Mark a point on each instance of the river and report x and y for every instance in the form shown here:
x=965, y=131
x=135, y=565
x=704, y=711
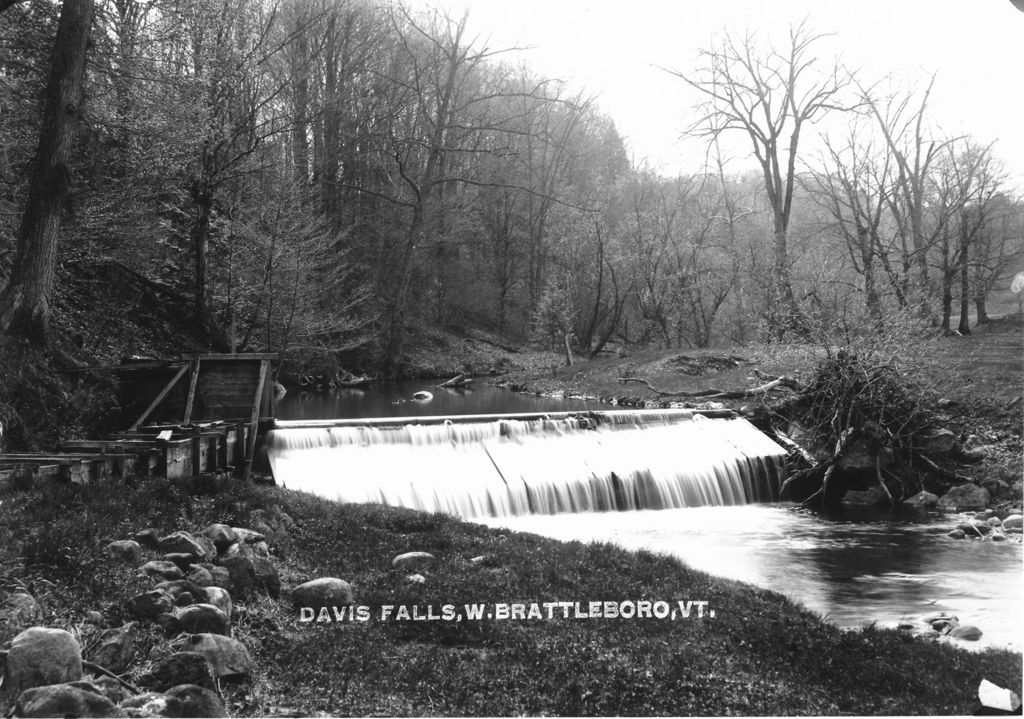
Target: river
x=853, y=568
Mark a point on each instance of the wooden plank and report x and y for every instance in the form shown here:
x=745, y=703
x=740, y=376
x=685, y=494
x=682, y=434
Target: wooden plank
x=250, y=449
x=160, y=397
x=242, y=356
x=193, y=380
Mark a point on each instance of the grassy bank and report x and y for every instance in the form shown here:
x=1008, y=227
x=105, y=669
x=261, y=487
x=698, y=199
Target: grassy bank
x=760, y=655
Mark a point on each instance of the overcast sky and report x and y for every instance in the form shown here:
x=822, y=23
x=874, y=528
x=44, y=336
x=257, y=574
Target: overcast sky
x=614, y=48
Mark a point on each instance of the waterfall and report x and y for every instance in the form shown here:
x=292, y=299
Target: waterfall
x=493, y=466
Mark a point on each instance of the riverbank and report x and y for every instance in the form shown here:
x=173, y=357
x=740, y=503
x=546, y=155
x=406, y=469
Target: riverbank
x=761, y=654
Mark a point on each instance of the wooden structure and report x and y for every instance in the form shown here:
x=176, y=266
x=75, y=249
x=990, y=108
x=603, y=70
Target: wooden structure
x=188, y=417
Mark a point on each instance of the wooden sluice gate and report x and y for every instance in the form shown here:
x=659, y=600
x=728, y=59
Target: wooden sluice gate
x=193, y=416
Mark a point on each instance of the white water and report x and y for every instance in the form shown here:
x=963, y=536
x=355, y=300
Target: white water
x=631, y=460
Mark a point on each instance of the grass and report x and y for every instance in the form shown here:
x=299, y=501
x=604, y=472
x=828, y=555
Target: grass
x=760, y=655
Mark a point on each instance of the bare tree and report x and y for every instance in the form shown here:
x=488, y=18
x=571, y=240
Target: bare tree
x=770, y=97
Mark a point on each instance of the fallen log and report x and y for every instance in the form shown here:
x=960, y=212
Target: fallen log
x=457, y=381
x=764, y=389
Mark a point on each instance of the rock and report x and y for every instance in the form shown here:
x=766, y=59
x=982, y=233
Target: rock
x=322, y=592
x=160, y=568
x=182, y=542
x=939, y=616
x=936, y=440
x=147, y=538
x=181, y=560
x=943, y=625
x=239, y=549
x=94, y=617
x=219, y=598
x=151, y=704
x=125, y=550
x=413, y=559
x=957, y=534
x=209, y=548
x=994, y=521
x=21, y=610
x=861, y=455
x=1013, y=521
x=221, y=535
x=416, y=579
x=963, y=497
x=261, y=549
x=63, y=700
x=115, y=648
x=180, y=668
x=107, y=686
x=923, y=499
x=228, y=658
x=995, y=697
x=177, y=587
x=150, y=604
x=248, y=536
x=197, y=701
x=202, y=618
x=267, y=576
x=242, y=574
x=972, y=528
x=41, y=656
x=200, y=576
x=220, y=575
x=967, y=632
x=998, y=537
x=871, y=497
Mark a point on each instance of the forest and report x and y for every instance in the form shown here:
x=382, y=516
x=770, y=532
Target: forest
x=325, y=178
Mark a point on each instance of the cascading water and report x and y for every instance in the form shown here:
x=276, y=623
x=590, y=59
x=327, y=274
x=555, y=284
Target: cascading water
x=474, y=467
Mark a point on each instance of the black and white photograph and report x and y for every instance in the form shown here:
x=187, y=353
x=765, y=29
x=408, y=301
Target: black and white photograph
x=511, y=358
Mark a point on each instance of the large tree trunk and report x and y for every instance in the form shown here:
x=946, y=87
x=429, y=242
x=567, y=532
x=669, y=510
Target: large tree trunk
x=25, y=303
x=965, y=297
x=979, y=305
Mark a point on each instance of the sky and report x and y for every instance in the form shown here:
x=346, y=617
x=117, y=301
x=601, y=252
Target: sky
x=617, y=49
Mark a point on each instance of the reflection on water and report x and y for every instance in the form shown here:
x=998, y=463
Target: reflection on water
x=394, y=399
x=854, y=568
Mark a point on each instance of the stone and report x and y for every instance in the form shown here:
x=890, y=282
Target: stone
x=413, y=559
x=41, y=656
x=125, y=550
x=181, y=560
x=322, y=592
x=197, y=701
x=228, y=658
x=94, y=617
x=209, y=548
x=923, y=499
x=261, y=549
x=184, y=599
x=62, y=700
x=183, y=542
x=150, y=605
x=202, y=618
x=871, y=497
x=179, y=668
x=147, y=538
x=177, y=587
x=220, y=575
x=967, y=632
x=936, y=440
x=1013, y=521
x=239, y=549
x=160, y=568
x=998, y=537
x=222, y=536
x=995, y=521
x=220, y=598
x=971, y=527
x=267, y=576
x=21, y=610
x=248, y=536
x=151, y=704
x=115, y=648
x=957, y=534
x=963, y=497
x=200, y=576
x=242, y=574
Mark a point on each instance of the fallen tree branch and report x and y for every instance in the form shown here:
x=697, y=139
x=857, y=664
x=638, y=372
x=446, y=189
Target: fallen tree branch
x=717, y=393
x=457, y=381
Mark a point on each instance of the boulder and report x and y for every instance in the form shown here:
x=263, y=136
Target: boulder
x=197, y=701
x=973, y=528
x=150, y=605
x=221, y=535
x=936, y=440
x=239, y=549
x=125, y=550
x=160, y=568
x=220, y=576
x=248, y=536
x=267, y=576
x=183, y=542
x=179, y=668
x=21, y=610
x=923, y=499
x=151, y=704
x=957, y=534
x=871, y=497
x=220, y=598
x=967, y=632
x=40, y=656
x=63, y=700
x=963, y=497
x=1013, y=521
x=115, y=648
x=261, y=549
x=177, y=587
x=181, y=560
x=414, y=559
x=202, y=618
x=997, y=537
x=322, y=592
x=416, y=579
x=209, y=548
x=147, y=538
x=228, y=658
x=994, y=521
x=107, y=686
x=242, y=575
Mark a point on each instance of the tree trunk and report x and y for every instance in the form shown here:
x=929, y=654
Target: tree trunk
x=25, y=303
x=200, y=249
x=979, y=305
x=964, y=327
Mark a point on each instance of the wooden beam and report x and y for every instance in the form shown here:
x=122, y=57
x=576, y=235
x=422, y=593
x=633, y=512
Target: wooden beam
x=193, y=380
x=160, y=397
x=254, y=420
